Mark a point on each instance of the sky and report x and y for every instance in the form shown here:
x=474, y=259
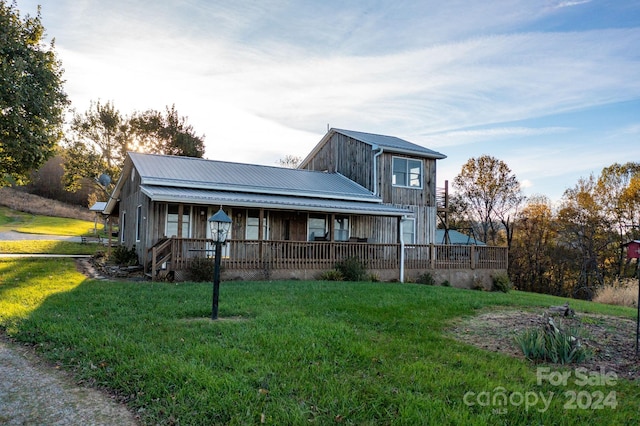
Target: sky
x=550, y=87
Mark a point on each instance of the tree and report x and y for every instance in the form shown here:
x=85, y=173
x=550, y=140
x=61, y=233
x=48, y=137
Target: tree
x=584, y=227
x=489, y=194
x=530, y=263
x=104, y=129
x=618, y=191
x=167, y=134
x=290, y=161
x=32, y=100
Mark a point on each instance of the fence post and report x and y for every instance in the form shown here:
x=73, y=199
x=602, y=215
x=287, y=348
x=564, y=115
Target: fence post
x=472, y=254
x=432, y=256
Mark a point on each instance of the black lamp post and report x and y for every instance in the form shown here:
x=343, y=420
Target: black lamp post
x=220, y=225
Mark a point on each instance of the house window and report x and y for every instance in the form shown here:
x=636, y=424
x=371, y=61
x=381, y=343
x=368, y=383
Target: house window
x=173, y=219
x=409, y=231
x=253, y=225
x=138, y=223
x=341, y=228
x=122, y=226
x=317, y=227
x=407, y=172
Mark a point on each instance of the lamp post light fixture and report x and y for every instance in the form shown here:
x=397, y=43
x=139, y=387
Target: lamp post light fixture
x=220, y=225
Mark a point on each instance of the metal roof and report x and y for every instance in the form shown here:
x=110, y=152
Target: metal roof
x=391, y=144
x=197, y=173
x=457, y=238
x=285, y=202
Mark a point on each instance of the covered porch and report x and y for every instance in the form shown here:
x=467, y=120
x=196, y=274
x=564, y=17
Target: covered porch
x=251, y=259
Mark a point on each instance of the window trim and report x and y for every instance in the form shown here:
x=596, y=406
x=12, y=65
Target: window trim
x=265, y=225
x=316, y=216
x=407, y=172
x=123, y=225
x=415, y=230
x=138, y=222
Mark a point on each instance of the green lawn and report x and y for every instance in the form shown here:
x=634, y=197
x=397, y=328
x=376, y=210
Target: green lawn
x=46, y=225
x=289, y=352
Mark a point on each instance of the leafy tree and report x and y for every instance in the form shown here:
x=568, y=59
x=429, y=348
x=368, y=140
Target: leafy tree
x=585, y=228
x=167, y=134
x=104, y=130
x=618, y=191
x=530, y=263
x=489, y=194
x=32, y=100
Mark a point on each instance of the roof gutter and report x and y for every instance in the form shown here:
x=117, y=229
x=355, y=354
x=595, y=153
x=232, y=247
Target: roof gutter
x=375, y=168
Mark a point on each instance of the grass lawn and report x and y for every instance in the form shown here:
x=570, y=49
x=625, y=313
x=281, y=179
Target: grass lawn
x=47, y=225
x=291, y=352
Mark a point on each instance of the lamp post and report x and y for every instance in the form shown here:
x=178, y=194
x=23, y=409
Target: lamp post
x=220, y=225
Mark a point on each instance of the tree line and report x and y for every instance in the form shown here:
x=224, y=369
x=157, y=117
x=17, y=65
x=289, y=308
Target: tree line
x=33, y=105
x=567, y=249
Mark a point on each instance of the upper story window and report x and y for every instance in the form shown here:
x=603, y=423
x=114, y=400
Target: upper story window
x=407, y=172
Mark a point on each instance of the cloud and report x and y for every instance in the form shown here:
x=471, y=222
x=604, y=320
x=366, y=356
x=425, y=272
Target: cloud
x=564, y=4
x=460, y=137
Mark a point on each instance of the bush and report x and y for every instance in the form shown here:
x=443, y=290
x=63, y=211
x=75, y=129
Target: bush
x=446, y=283
x=623, y=293
x=200, y=269
x=124, y=256
x=332, y=275
x=550, y=343
x=425, y=278
x=352, y=269
x=501, y=282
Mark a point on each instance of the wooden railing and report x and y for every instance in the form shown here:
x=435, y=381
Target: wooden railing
x=323, y=255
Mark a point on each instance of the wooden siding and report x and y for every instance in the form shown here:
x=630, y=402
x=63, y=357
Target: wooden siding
x=424, y=196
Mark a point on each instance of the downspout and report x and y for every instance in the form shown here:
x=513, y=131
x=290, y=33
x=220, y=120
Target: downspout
x=375, y=168
x=402, y=249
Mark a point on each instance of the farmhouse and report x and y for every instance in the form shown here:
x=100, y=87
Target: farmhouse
x=355, y=195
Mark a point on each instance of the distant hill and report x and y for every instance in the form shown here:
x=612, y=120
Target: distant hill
x=34, y=204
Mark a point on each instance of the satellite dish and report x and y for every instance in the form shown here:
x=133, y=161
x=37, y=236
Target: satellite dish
x=104, y=179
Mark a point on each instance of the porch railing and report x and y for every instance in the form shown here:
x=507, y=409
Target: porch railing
x=323, y=255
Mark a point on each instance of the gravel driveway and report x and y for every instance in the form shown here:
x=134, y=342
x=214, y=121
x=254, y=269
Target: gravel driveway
x=34, y=393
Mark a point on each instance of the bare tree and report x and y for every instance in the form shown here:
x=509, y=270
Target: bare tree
x=290, y=161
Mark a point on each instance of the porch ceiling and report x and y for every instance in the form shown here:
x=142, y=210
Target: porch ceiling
x=281, y=202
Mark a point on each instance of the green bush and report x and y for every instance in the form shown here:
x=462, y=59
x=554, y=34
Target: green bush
x=446, y=283
x=200, y=269
x=124, y=256
x=426, y=278
x=550, y=343
x=332, y=275
x=501, y=282
x=352, y=269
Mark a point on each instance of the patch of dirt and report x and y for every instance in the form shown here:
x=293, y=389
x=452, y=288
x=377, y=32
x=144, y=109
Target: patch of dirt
x=33, y=392
x=612, y=340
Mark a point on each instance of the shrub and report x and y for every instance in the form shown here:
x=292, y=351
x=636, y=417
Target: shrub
x=425, y=278
x=501, y=282
x=124, y=256
x=331, y=275
x=352, y=269
x=446, y=283
x=623, y=293
x=373, y=277
x=550, y=343
x=200, y=269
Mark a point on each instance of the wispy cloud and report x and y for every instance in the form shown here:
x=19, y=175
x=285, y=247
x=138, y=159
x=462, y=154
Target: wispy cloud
x=563, y=4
